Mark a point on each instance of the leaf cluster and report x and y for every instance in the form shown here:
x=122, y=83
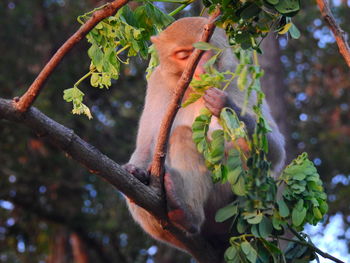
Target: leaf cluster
x=303, y=192
x=246, y=22
x=256, y=213
x=127, y=31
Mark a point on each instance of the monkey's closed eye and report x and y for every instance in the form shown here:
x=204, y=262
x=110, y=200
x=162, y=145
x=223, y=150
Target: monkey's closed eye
x=183, y=54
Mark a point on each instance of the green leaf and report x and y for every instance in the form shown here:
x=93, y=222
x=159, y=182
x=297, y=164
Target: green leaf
x=96, y=56
x=294, y=32
x=323, y=207
x=217, y=173
x=233, y=160
x=73, y=94
x=272, y=2
x=298, y=216
x=95, y=79
x=288, y=6
x=241, y=225
x=205, y=46
x=198, y=136
x=249, y=251
x=317, y=213
x=283, y=208
x=255, y=219
x=231, y=253
x=217, y=146
x=211, y=61
x=276, y=222
x=233, y=175
x=300, y=204
x=265, y=227
x=250, y=11
x=226, y=212
x=299, y=176
x=229, y=119
x=191, y=99
x=239, y=187
x=246, y=247
x=255, y=230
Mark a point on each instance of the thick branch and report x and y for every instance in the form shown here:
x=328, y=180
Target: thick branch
x=28, y=98
x=339, y=34
x=181, y=86
x=98, y=163
x=86, y=154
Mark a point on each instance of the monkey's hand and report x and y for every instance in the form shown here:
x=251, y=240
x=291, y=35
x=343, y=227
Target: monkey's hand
x=141, y=174
x=215, y=100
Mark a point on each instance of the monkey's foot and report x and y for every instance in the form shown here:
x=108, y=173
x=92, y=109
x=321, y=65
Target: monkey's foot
x=139, y=173
x=179, y=213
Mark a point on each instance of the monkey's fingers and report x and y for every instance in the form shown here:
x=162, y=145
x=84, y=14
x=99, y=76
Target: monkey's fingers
x=214, y=92
x=209, y=98
x=214, y=110
x=139, y=173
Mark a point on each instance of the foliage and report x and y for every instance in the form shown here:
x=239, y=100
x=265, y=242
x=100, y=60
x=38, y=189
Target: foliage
x=256, y=214
x=247, y=20
x=126, y=31
x=244, y=23
x=303, y=192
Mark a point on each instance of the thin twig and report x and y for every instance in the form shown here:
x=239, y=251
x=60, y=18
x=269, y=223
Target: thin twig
x=31, y=94
x=304, y=243
x=181, y=86
x=339, y=34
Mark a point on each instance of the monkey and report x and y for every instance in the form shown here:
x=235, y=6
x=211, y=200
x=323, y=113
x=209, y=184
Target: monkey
x=192, y=197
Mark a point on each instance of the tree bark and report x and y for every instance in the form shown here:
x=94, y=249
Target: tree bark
x=80, y=254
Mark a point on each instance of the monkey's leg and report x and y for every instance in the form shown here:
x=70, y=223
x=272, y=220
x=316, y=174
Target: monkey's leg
x=187, y=182
x=179, y=212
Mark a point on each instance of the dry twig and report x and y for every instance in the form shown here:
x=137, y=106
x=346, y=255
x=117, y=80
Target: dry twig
x=31, y=94
x=339, y=34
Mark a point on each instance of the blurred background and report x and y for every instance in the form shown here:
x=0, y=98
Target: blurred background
x=53, y=210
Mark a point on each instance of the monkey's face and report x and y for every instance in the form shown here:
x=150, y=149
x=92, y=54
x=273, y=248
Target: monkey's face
x=175, y=57
x=175, y=44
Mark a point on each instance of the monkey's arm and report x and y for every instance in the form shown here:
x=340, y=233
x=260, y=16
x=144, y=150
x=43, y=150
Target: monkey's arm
x=141, y=157
x=216, y=100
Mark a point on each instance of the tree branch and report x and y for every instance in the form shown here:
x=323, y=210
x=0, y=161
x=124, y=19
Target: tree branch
x=316, y=249
x=98, y=163
x=339, y=34
x=181, y=86
x=31, y=94
x=86, y=154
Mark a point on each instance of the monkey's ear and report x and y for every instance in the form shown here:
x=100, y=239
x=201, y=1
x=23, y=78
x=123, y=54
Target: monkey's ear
x=155, y=39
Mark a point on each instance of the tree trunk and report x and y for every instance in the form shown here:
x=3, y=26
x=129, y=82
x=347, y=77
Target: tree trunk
x=59, y=247
x=275, y=88
x=80, y=254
